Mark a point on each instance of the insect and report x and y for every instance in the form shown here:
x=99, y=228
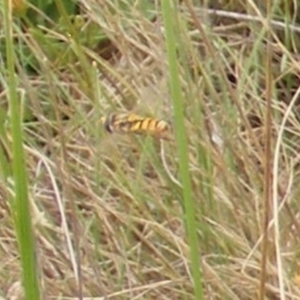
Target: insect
x=132, y=123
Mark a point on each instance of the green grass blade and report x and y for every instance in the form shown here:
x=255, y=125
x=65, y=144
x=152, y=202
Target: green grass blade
x=19, y=200
x=181, y=142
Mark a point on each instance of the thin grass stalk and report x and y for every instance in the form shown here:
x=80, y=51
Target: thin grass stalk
x=19, y=200
x=267, y=160
x=169, y=15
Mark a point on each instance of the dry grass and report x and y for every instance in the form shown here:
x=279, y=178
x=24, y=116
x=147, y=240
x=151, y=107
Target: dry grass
x=107, y=209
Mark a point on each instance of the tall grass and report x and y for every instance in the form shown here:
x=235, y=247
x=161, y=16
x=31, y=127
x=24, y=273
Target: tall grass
x=171, y=23
x=17, y=186
x=131, y=217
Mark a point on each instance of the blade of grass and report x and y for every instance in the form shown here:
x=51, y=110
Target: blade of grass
x=19, y=201
x=268, y=161
x=168, y=12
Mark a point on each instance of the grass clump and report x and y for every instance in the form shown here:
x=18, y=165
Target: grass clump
x=125, y=216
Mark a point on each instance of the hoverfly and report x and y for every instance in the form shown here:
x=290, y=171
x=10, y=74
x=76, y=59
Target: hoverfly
x=132, y=123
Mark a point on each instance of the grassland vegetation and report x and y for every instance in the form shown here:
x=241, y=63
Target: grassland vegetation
x=127, y=216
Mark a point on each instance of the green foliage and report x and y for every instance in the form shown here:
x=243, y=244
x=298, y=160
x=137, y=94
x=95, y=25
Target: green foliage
x=49, y=11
